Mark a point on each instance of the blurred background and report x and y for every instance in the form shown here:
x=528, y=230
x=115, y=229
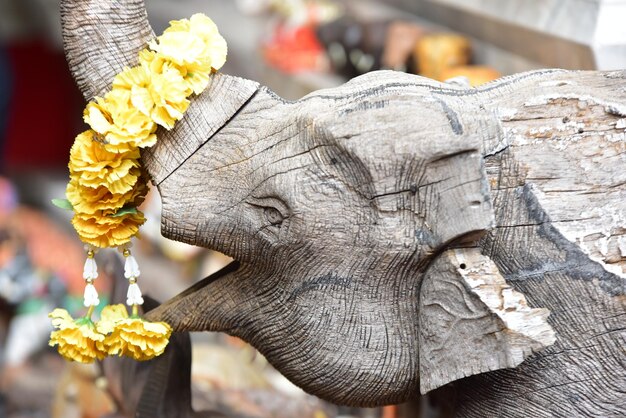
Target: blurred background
x=293, y=47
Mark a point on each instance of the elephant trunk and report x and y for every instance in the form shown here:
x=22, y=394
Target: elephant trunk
x=206, y=306
x=101, y=38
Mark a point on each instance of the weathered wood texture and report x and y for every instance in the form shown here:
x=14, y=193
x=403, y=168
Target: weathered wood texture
x=100, y=38
x=472, y=321
x=559, y=189
x=540, y=197
x=349, y=209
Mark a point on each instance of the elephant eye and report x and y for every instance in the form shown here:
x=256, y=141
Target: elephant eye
x=273, y=215
x=275, y=211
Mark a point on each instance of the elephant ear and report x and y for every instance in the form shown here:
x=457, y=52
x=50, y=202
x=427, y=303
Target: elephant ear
x=472, y=322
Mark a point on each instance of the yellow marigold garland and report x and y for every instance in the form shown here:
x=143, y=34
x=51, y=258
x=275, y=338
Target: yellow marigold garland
x=107, y=183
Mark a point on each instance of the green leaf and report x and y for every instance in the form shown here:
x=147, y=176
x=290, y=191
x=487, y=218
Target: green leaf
x=124, y=211
x=84, y=321
x=63, y=204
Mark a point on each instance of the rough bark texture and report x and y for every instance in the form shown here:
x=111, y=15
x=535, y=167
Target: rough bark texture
x=350, y=208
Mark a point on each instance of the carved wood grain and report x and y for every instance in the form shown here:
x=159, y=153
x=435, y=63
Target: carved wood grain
x=374, y=182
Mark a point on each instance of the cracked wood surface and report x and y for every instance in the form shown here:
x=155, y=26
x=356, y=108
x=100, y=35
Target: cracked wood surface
x=345, y=207
x=471, y=321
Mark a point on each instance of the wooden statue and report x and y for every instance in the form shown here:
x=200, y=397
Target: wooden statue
x=397, y=235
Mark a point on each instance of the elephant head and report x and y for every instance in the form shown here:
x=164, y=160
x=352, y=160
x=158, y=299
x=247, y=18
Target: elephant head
x=335, y=208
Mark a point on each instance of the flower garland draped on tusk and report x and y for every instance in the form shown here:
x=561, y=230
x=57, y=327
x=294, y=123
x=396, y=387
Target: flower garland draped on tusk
x=107, y=183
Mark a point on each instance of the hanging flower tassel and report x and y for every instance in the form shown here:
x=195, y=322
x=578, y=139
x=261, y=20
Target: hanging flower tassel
x=91, y=296
x=132, y=272
x=132, y=336
x=90, y=273
x=76, y=339
x=133, y=296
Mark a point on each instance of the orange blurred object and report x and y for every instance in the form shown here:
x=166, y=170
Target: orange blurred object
x=476, y=74
x=399, y=43
x=390, y=411
x=436, y=52
x=81, y=392
x=293, y=50
x=52, y=249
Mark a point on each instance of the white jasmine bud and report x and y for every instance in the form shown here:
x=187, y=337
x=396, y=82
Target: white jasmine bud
x=91, y=296
x=90, y=271
x=131, y=268
x=133, y=296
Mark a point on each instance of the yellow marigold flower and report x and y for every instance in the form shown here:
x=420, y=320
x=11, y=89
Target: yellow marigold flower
x=170, y=95
x=77, y=340
x=102, y=230
x=89, y=200
x=155, y=63
x=98, y=167
x=136, y=81
x=132, y=336
x=195, y=71
x=203, y=27
x=122, y=126
x=195, y=47
x=181, y=48
x=157, y=89
x=109, y=317
x=197, y=76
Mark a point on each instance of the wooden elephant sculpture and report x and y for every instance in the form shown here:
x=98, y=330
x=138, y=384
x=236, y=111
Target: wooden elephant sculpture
x=396, y=234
